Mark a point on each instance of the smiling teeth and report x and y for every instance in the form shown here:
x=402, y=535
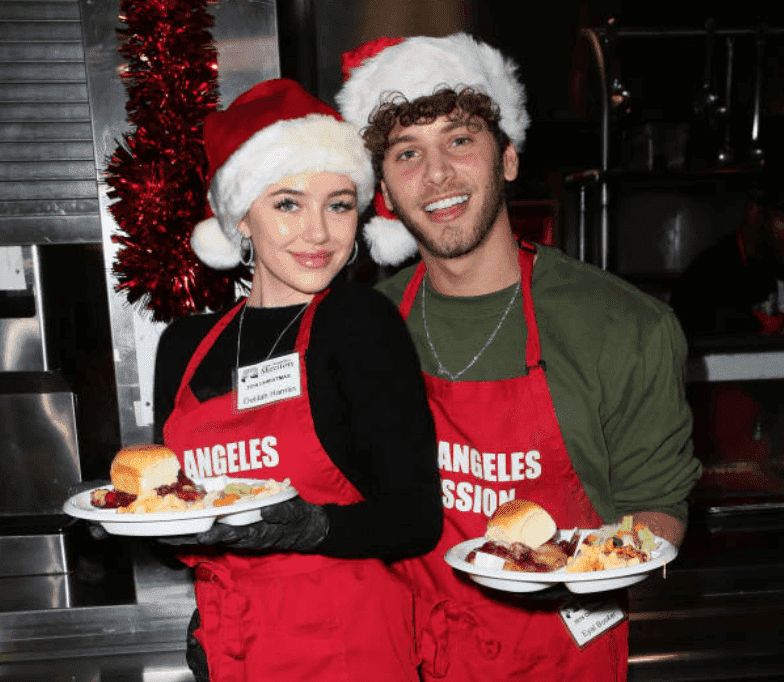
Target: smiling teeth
x=447, y=203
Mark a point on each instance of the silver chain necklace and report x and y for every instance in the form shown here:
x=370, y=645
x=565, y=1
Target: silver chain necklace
x=280, y=336
x=443, y=370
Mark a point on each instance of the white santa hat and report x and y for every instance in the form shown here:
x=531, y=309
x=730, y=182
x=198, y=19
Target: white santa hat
x=383, y=69
x=273, y=131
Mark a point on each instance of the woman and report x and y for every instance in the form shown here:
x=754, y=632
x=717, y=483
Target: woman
x=305, y=593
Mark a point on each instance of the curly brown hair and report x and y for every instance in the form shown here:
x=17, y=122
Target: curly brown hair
x=466, y=104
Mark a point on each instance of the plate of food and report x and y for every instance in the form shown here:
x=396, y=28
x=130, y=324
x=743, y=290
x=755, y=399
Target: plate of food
x=523, y=551
x=150, y=496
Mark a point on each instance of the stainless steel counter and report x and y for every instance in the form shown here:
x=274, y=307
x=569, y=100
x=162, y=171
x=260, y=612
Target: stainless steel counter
x=94, y=631
x=145, y=667
x=717, y=615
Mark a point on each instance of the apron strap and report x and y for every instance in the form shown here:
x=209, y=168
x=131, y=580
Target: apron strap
x=303, y=336
x=204, y=346
x=533, y=347
x=526, y=255
x=409, y=296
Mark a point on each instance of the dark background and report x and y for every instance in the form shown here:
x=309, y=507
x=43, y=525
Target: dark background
x=662, y=73
x=656, y=227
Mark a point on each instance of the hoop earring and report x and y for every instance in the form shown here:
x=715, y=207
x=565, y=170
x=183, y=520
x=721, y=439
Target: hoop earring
x=247, y=252
x=354, y=253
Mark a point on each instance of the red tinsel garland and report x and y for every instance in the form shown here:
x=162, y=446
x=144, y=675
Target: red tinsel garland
x=156, y=174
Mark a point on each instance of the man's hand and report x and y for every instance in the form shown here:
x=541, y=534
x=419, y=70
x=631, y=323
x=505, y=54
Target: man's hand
x=663, y=525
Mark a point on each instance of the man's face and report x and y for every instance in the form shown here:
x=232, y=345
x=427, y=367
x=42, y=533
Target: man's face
x=444, y=180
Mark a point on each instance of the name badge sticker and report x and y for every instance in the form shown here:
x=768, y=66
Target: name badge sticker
x=588, y=619
x=268, y=382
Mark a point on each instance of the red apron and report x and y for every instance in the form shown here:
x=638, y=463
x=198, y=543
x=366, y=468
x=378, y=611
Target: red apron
x=500, y=440
x=287, y=616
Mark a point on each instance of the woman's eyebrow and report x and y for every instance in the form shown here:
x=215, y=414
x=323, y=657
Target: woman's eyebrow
x=339, y=192
x=297, y=192
x=287, y=190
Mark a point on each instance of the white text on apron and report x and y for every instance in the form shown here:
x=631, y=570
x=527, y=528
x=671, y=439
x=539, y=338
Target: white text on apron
x=231, y=458
x=494, y=467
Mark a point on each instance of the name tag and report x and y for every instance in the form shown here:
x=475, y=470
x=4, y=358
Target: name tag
x=268, y=382
x=590, y=617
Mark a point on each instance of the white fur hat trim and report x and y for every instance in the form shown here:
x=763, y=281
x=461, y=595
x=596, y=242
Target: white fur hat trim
x=420, y=66
x=312, y=144
x=212, y=247
x=389, y=241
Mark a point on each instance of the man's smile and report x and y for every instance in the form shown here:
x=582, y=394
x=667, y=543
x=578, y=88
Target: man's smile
x=447, y=202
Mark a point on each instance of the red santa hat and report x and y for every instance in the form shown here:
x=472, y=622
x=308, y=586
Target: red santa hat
x=273, y=131
x=383, y=69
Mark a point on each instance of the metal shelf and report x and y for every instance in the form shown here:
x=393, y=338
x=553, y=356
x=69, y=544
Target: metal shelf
x=737, y=366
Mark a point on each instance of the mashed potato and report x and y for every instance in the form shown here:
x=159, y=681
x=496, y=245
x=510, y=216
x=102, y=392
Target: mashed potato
x=227, y=494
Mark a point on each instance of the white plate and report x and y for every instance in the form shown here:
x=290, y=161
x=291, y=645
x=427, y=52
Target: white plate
x=159, y=524
x=593, y=581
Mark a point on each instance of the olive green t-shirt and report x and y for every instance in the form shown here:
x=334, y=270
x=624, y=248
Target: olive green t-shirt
x=614, y=363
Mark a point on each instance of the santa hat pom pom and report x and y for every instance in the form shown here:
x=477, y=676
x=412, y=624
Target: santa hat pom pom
x=212, y=247
x=389, y=241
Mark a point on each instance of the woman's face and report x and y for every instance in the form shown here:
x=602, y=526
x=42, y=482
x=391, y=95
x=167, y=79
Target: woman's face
x=303, y=231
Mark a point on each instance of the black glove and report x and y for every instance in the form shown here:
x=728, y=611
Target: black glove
x=194, y=653
x=293, y=525
x=96, y=530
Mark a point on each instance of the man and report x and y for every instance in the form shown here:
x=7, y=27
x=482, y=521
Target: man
x=737, y=285
x=500, y=329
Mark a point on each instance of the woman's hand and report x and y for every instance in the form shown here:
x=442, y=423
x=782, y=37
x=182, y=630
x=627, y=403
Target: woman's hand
x=96, y=530
x=293, y=525
x=194, y=653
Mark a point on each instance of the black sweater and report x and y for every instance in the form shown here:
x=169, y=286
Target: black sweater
x=369, y=409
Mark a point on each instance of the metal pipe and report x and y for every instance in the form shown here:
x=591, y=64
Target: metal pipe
x=680, y=32
x=40, y=307
x=756, y=152
x=604, y=218
x=604, y=228
x=726, y=155
x=296, y=27
x=705, y=101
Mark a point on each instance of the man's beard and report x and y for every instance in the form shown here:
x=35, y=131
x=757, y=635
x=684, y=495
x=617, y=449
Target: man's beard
x=465, y=243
